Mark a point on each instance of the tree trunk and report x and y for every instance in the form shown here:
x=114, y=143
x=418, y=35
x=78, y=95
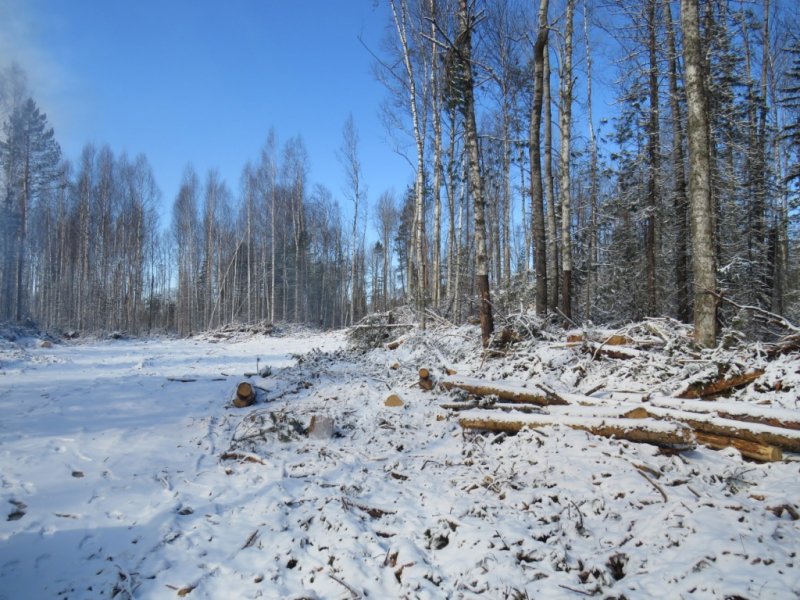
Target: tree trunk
x=653, y=150
x=464, y=52
x=703, y=255
x=537, y=207
x=549, y=193
x=565, y=118
x=679, y=174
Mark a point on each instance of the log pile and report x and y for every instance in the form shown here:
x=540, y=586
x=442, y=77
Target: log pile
x=758, y=432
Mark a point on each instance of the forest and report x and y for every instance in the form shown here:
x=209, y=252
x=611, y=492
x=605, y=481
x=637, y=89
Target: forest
x=596, y=161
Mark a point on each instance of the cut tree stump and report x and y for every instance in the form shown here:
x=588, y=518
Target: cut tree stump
x=394, y=401
x=704, y=389
x=650, y=431
x=753, y=450
x=245, y=395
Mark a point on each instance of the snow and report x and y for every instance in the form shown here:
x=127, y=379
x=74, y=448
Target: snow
x=114, y=484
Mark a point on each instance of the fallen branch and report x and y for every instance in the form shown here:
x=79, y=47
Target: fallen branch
x=654, y=484
x=241, y=457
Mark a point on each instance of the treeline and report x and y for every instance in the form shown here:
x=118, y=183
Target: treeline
x=518, y=184
x=586, y=217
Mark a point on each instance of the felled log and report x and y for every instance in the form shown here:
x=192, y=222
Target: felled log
x=245, y=395
x=754, y=450
x=662, y=433
x=617, y=352
x=787, y=439
x=737, y=411
x=480, y=387
x=395, y=344
x=790, y=343
x=703, y=389
x=607, y=340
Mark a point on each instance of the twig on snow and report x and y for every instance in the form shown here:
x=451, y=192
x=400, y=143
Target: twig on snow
x=354, y=593
x=654, y=484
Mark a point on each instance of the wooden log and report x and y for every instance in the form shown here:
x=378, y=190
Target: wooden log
x=395, y=344
x=641, y=430
x=607, y=340
x=615, y=352
x=425, y=379
x=245, y=395
x=737, y=411
x=480, y=387
x=786, y=439
x=749, y=449
x=703, y=389
x=394, y=401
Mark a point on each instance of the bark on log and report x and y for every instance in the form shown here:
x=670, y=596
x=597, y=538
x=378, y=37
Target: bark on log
x=606, y=340
x=479, y=387
x=648, y=431
x=737, y=411
x=753, y=450
x=787, y=439
x=245, y=395
x=395, y=344
x=705, y=388
x=616, y=352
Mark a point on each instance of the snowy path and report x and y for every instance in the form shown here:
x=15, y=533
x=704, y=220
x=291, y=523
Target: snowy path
x=113, y=486
x=101, y=457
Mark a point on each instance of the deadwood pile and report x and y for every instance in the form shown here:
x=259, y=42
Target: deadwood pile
x=701, y=409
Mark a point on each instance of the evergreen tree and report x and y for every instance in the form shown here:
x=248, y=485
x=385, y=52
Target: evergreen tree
x=29, y=158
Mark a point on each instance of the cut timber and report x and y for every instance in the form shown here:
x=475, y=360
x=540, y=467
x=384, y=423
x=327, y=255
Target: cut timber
x=480, y=387
x=395, y=344
x=650, y=431
x=621, y=411
x=607, y=340
x=704, y=389
x=754, y=450
x=425, y=379
x=616, y=352
x=738, y=411
x=245, y=395
x=787, y=439
x=394, y=401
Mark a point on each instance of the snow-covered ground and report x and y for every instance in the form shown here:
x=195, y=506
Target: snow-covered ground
x=119, y=481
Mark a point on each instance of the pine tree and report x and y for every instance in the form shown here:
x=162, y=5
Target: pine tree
x=29, y=157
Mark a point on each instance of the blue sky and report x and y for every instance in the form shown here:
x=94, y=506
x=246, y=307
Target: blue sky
x=202, y=82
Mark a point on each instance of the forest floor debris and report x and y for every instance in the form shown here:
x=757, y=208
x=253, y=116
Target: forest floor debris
x=192, y=497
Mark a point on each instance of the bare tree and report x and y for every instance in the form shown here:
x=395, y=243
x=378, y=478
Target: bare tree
x=348, y=156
